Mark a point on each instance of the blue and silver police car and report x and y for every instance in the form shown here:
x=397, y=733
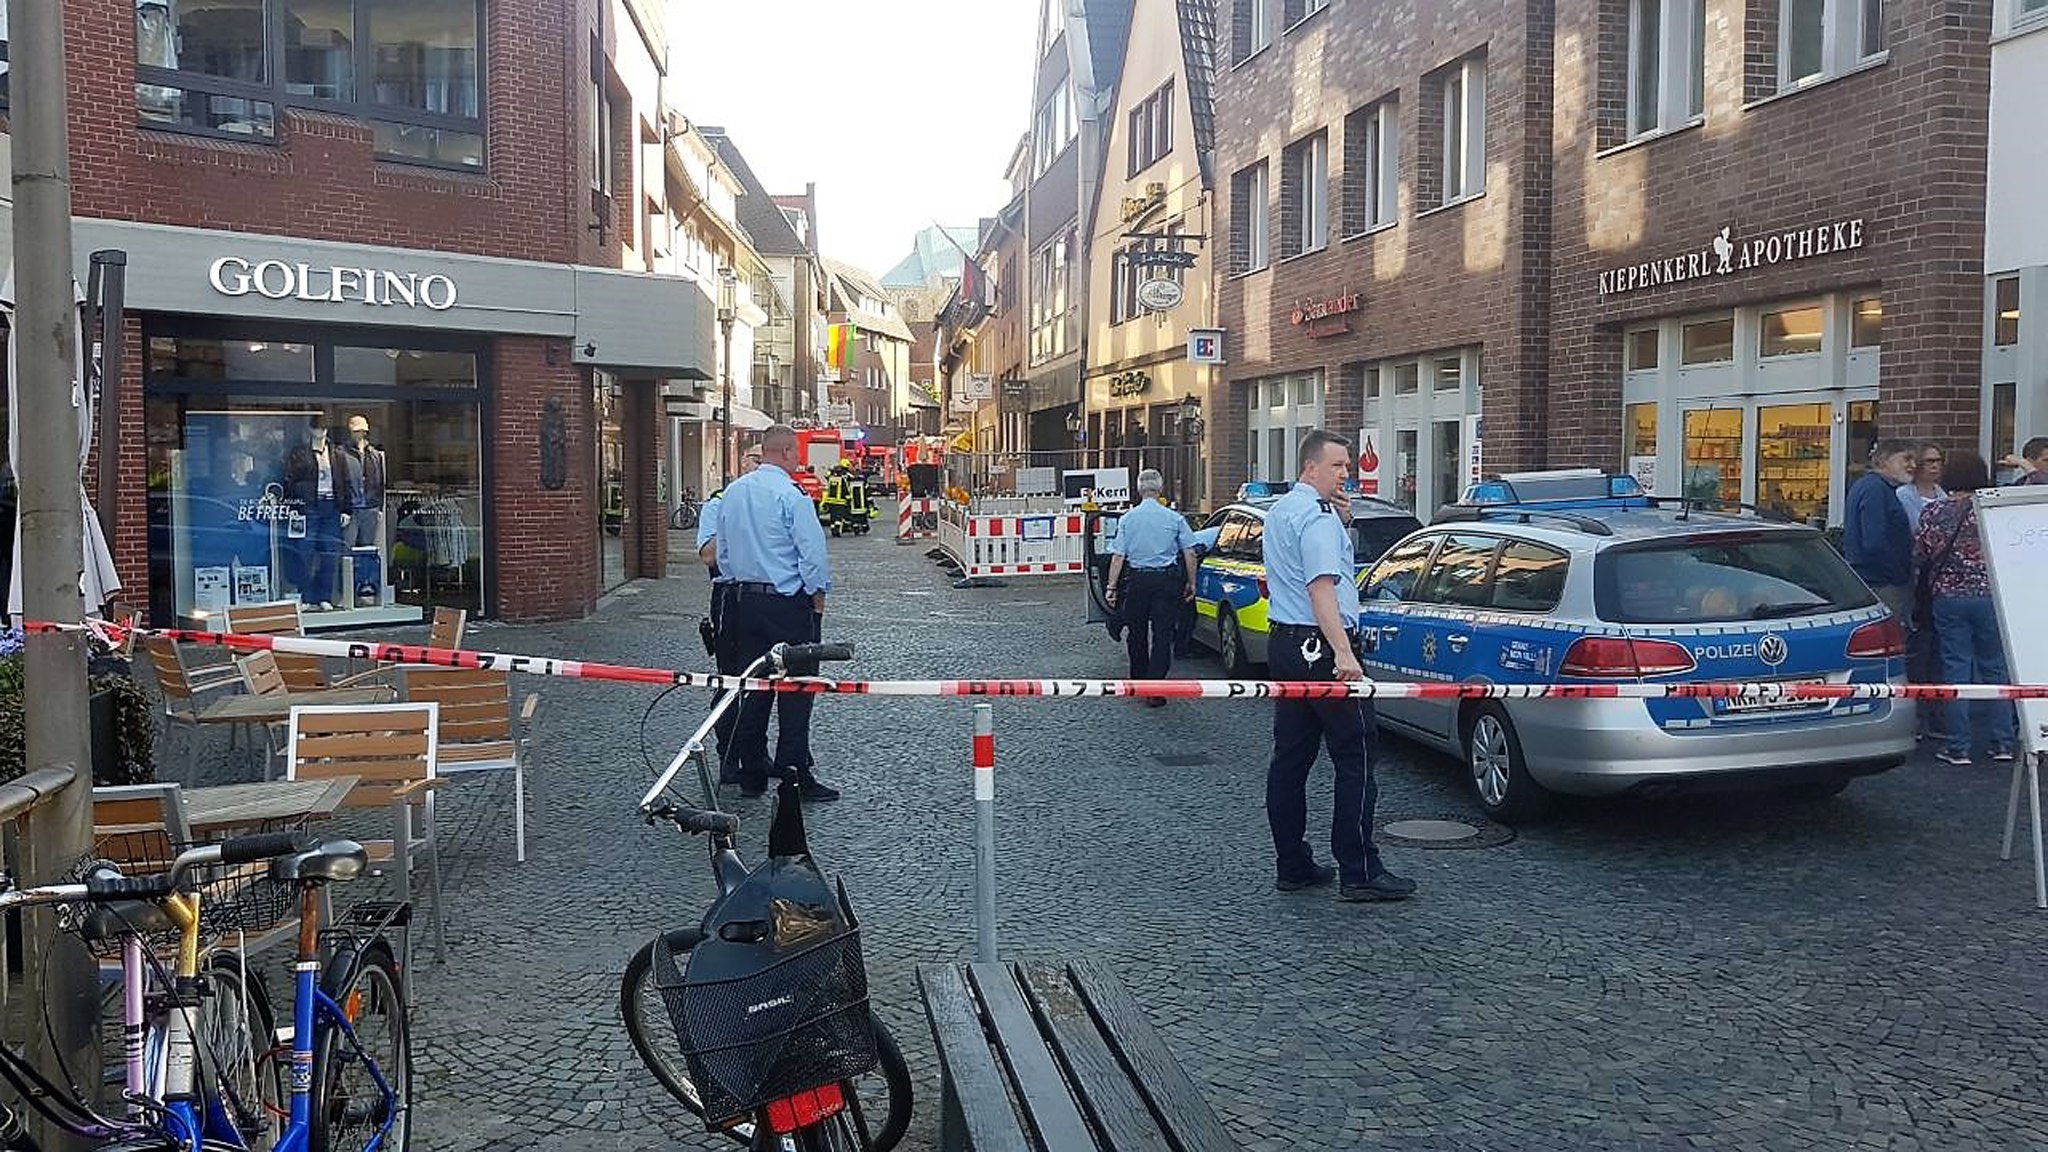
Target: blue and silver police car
x=1577, y=577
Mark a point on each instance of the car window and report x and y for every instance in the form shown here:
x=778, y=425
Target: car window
x=1725, y=577
x=1529, y=577
x=1394, y=577
x=1371, y=536
x=1242, y=538
x=1462, y=572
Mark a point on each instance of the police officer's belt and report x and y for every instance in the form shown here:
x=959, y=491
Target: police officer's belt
x=758, y=588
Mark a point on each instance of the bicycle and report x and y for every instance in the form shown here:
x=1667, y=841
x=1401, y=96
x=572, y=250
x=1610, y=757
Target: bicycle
x=687, y=512
x=830, y=1117
x=200, y=1063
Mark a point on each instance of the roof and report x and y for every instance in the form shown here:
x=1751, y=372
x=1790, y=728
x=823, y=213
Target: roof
x=934, y=256
x=1198, y=45
x=844, y=277
x=758, y=213
x=1558, y=524
x=1108, y=25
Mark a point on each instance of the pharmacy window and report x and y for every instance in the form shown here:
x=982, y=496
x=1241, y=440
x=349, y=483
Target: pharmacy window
x=1822, y=38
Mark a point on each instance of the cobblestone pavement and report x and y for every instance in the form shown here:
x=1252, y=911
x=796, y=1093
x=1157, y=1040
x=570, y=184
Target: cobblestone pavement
x=1742, y=973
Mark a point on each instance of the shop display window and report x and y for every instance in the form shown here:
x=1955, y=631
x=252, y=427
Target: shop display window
x=1713, y=455
x=1862, y=437
x=1794, y=461
x=1642, y=349
x=1406, y=453
x=1708, y=342
x=1866, y=323
x=1792, y=332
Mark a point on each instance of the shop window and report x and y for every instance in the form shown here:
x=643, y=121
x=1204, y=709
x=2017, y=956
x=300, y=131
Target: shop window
x=1371, y=164
x=1406, y=451
x=1640, y=432
x=1822, y=38
x=1866, y=323
x=2005, y=312
x=1449, y=471
x=1641, y=349
x=405, y=367
x=1305, y=195
x=1666, y=64
x=1713, y=455
x=1250, y=222
x=2004, y=419
x=1307, y=392
x=1407, y=379
x=1450, y=374
x=206, y=112
x=1371, y=378
x=1707, y=342
x=1794, y=465
x=1862, y=437
x=1792, y=332
x=207, y=358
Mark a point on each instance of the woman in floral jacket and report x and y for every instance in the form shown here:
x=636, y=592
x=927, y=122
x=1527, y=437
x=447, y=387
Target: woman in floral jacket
x=1948, y=558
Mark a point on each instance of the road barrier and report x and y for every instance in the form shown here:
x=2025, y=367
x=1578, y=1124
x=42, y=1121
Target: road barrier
x=1040, y=544
x=917, y=518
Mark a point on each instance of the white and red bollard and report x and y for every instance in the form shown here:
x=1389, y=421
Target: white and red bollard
x=984, y=835
x=916, y=519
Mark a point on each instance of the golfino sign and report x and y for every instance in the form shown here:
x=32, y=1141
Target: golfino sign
x=1727, y=254
x=278, y=280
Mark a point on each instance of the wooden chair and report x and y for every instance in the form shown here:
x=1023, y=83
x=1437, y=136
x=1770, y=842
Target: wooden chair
x=478, y=731
x=139, y=826
x=447, y=628
x=281, y=618
x=262, y=677
x=393, y=752
x=183, y=688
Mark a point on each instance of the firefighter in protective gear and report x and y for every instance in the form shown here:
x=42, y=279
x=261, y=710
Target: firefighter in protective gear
x=859, y=509
x=835, y=507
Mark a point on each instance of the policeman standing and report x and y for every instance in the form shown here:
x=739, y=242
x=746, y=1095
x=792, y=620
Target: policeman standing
x=1158, y=547
x=1312, y=577
x=771, y=554
x=718, y=638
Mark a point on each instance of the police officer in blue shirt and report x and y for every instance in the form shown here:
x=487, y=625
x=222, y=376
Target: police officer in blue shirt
x=1158, y=548
x=1312, y=579
x=717, y=638
x=771, y=556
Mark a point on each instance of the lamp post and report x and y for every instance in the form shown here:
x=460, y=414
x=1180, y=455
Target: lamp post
x=1191, y=424
x=728, y=292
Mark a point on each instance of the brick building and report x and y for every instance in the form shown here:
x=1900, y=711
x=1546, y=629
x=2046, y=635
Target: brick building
x=376, y=212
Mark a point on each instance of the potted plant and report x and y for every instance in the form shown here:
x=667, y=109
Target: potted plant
x=122, y=717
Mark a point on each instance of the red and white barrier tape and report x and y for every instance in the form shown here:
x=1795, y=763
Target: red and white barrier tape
x=121, y=635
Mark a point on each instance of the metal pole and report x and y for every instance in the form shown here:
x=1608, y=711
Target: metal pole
x=984, y=835
x=109, y=300
x=52, y=528
x=725, y=406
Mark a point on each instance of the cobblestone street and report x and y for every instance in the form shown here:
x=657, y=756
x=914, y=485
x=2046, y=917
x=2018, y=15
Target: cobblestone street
x=1739, y=973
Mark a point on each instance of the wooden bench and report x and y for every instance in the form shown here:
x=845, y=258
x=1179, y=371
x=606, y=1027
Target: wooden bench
x=1057, y=1058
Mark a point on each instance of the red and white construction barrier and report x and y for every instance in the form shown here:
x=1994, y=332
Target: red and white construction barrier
x=1046, y=544
x=916, y=519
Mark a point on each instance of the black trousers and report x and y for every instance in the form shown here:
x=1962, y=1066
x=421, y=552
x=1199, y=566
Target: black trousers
x=1152, y=606
x=756, y=622
x=1300, y=728
x=724, y=654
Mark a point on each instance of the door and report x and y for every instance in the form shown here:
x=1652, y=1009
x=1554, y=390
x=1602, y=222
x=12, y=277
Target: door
x=1448, y=645
x=1391, y=647
x=1229, y=584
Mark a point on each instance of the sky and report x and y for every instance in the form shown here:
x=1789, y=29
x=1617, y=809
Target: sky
x=904, y=112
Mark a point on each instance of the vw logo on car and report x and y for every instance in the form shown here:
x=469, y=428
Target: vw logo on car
x=1772, y=649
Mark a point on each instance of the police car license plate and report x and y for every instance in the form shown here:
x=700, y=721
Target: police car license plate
x=1730, y=705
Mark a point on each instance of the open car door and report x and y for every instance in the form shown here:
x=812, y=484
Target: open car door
x=1097, y=530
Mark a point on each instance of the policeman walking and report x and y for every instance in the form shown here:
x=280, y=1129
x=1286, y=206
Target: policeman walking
x=717, y=639
x=771, y=554
x=1311, y=575
x=1155, y=543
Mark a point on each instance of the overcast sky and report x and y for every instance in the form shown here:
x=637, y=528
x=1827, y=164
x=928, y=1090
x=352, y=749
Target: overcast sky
x=903, y=111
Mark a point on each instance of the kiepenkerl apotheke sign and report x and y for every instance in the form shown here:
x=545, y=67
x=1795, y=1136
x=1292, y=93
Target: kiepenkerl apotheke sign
x=1727, y=254
x=378, y=287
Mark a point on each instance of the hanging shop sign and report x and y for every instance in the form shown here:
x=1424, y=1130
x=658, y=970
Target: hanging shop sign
x=1137, y=206
x=1205, y=345
x=1727, y=254
x=1326, y=317
x=1160, y=258
x=1161, y=295
x=278, y=280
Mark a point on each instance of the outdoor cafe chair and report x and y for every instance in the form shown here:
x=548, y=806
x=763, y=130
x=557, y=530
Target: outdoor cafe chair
x=478, y=730
x=184, y=689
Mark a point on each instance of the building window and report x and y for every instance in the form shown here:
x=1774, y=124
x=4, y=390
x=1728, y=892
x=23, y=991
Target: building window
x=1052, y=24
x=1461, y=155
x=413, y=71
x=1251, y=28
x=1666, y=64
x=2005, y=312
x=1712, y=455
x=2004, y=418
x=1450, y=374
x=1249, y=219
x=1639, y=433
x=2026, y=12
x=1822, y=38
x=600, y=125
x=1792, y=332
x=1052, y=296
x=1054, y=128
x=1151, y=129
x=1305, y=195
x=5, y=80
x=1642, y=349
x=1295, y=11
x=1407, y=378
x=1866, y=323
x=1707, y=342
x=1371, y=166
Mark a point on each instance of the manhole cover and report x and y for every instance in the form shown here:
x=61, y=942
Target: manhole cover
x=1429, y=832
x=1182, y=759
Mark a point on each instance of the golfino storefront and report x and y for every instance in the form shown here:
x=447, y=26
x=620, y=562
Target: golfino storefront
x=377, y=432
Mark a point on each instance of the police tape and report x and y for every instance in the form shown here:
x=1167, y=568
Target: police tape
x=122, y=636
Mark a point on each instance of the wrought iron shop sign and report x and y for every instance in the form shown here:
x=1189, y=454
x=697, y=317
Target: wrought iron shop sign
x=1727, y=254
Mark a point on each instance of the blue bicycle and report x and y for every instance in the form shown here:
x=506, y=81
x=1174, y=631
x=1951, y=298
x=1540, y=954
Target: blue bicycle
x=202, y=1068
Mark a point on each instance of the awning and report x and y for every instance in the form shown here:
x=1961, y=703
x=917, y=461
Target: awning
x=745, y=417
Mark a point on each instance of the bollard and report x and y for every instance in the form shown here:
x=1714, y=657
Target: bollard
x=984, y=835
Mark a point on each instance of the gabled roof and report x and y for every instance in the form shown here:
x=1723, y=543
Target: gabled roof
x=758, y=213
x=932, y=257
x=1198, y=44
x=851, y=283
x=1107, y=26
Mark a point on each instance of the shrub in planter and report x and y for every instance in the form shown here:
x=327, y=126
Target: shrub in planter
x=123, y=718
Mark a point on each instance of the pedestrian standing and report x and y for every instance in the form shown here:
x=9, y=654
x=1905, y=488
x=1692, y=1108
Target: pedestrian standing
x=1877, y=538
x=1925, y=486
x=717, y=638
x=771, y=553
x=2031, y=465
x=1311, y=575
x=1950, y=550
x=1156, y=547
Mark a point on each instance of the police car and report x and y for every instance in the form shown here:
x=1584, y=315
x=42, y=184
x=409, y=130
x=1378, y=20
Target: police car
x=1230, y=592
x=1579, y=578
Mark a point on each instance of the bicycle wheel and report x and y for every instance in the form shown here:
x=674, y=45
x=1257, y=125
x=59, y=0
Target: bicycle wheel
x=883, y=1095
x=235, y=1031
x=349, y=1109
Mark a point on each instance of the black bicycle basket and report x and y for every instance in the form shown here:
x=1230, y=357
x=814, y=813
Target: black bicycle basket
x=775, y=1000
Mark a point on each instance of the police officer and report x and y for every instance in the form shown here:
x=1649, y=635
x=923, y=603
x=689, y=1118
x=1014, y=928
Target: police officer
x=771, y=553
x=1158, y=547
x=718, y=637
x=1312, y=580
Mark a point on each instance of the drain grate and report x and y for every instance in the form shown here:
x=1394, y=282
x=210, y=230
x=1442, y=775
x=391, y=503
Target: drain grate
x=1182, y=759
x=1444, y=832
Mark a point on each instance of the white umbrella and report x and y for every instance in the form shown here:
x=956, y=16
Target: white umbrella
x=97, y=580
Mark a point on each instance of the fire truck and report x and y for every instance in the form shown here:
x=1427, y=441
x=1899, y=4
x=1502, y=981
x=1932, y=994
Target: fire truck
x=818, y=451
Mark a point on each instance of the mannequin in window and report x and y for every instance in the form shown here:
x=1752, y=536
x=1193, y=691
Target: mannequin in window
x=317, y=479
x=365, y=504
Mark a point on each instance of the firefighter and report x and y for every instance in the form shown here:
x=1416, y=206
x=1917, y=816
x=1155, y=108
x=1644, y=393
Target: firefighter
x=834, y=507
x=859, y=510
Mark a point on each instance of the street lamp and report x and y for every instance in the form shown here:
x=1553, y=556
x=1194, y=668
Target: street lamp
x=728, y=310
x=1190, y=418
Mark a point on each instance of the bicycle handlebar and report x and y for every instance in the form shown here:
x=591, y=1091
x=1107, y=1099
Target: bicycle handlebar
x=105, y=882
x=804, y=659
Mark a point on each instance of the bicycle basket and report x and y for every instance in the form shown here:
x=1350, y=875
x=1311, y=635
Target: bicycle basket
x=232, y=897
x=800, y=1023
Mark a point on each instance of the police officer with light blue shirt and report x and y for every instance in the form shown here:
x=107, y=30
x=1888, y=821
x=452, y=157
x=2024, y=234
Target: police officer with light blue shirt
x=1311, y=576
x=718, y=638
x=770, y=557
x=1156, y=546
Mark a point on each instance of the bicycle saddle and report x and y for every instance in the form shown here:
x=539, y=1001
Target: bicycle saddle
x=328, y=861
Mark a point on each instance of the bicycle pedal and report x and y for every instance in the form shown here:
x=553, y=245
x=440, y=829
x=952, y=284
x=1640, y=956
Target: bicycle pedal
x=371, y=913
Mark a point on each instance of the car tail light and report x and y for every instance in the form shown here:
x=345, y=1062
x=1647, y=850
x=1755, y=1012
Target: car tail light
x=1878, y=640
x=804, y=1109
x=1619, y=657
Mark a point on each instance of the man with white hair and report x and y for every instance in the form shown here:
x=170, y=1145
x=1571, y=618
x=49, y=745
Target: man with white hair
x=1154, y=543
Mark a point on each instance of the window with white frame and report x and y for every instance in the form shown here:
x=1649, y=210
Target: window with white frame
x=2028, y=11
x=1052, y=298
x=1295, y=11
x=1250, y=219
x=1052, y=20
x=1666, y=64
x=1053, y=129
x=1822, y=38
x=1251, y=27
x=1462, y=144
x=1305, y=195
x=1151, y=129
x=1371, y=166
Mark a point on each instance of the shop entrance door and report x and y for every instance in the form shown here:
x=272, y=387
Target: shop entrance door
x=1790, y=455
x=613, y=512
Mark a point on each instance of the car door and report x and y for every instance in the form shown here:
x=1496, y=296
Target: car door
x=1449, y=644
x=1098, y=532
x=1240, y=566
x=1386, y=595
x=1211, y=576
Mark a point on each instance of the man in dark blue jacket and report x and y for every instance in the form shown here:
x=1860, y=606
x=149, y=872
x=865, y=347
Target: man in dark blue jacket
x=1877, y=536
